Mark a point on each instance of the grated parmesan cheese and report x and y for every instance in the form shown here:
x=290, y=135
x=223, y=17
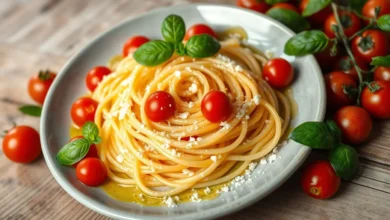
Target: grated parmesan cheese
x=184, y=115
x=177, y=73
x=188, y=172
x=191, y=104
x=207, y=190
x=225, y=125
x=213, y=158
x=120, y=158
x=256, y=99
x=195, y=197
x=193, y=88
x=169, y=202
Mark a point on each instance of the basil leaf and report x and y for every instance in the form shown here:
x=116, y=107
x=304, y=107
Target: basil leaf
x=73, y=152
x=335, y=130
x=384, y=22
x=306, y=42
x=173, y=29
x=357, y=5
x=31, y=110
x=180, y=49
x=153, y=53
x=272, y=2
x=203, y=45
x=345, y=161
x=381, y=61
x=91, y=132
x=313, y=134
x=289, y=18
x=314, y=6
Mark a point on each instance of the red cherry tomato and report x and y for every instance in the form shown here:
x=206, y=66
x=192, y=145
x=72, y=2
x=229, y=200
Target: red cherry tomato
x=133, y=43
x=83, y=110
x=355, y=124
x=350, y=22
x=216, y=106
x=91, y=171
x=369, y=8
x=345, y=65
x=188, y=138
x=286, y=6
x=334, y=83
x=160, y=106
x=256, y=5
x=199, y=29
x=318, y=18
x=39, y=85
x=325, y=59
x=92, y=152
x=278, y=72
x=370, y=44
x=21, y=144
x=319, y=180
x=377, y=103
x=382, y=73
x=95, y=76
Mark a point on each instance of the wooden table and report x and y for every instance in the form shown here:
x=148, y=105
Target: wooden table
x=40, y=34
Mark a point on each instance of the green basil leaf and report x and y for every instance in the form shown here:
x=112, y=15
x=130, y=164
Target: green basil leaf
x=31, y=110
x=173, y=29
x=73, y=151
x=314, y=6
x=313, y=134
x=357, y=5
x=203, y=45
x=153, y=53
x=381, y=61
x=345, y=161
x=335, y=131
x=306, y=42
x=272, y=2
x=289, y=18
x=180, y=49
x=91, y=132
x=384, y=22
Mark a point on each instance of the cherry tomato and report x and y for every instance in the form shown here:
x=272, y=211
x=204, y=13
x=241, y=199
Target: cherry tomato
x=188, y=138
x=21, y=144
x=382, y=73
x=319, y=180
x=83, y=110
x=286, y=6
x=95, y=76
x=160, y=106
x=369, y=8
x=278, y=72
x=377, y=103
x=370, y=44
x=350, y=22
x=334, y=83
x=345, y=65
x=355, y=124
x=256, y=5
x=318, y=18
x=91, y=171
x=133, y=43
x=216, y=106
x=199, y=29
x=39, y=85
x=92, y=152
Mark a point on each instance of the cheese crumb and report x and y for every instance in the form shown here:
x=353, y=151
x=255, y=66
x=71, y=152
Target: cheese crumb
x=193, y=88
x=207, y=190
x=177, y=73
x=263, y=161
x=256, y=99
x=169, y=202
x=195, y=197
x=191, y=104
x=238, y=68
x=184, y=115
x=176, y=198
x=120, y=158
x=225, y=125
x=213, y=158
x=188, y=172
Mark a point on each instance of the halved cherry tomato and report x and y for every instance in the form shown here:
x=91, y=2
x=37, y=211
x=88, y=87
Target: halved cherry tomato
x=335, y=83
x=355, y=124
x=199, y=29
x=319, y=180
x=39, y=85
x=278, y=72
x=350, y=22
x=286, y=6
x=160, y=106
x=256, y=5
x=382, y=73
x=91, y=171
x=345, y=65
x=370, y=44
x=216, y=106
x=133, y=43
x=83, y=110
x=92, y=152
x=318, y=18
x=21, y=144
x=369, y=8
x=95, y=76
x=377, y=103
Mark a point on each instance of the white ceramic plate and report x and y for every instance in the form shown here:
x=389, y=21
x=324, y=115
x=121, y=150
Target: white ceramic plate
x=263, y=32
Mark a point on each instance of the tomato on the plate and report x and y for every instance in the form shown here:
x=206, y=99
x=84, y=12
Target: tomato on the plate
x=325, y=59
x=133, y=43
x=355, y=124
x=319, y=180
x=91, y=171
x=92, y=152
x=377, y=103
x=369, y=8
x=382, y=73
x=286, y=6
x=95, y=76
x=335, y=83
x=21, y=144
x=256, y=5
x=188, y=138
x=318, y=18
x=83, y=110
x=350, y=22
x=160, y=106
x=278, y=72
x=199, y=29
x=369, y=44
x=345, y=65
x=39, y=85
x=216, y=106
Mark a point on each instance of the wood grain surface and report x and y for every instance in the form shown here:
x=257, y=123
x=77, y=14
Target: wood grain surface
x=40, y=34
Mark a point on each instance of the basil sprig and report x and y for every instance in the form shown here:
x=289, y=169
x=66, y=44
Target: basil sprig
x=173, y=30
x=31, y=110
x=76, y=150
x=315, y=135
x=384, y=22
x=306, y=42
x=345, y=161
x=314, y=6
x=290, y=18
x=381, y=61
